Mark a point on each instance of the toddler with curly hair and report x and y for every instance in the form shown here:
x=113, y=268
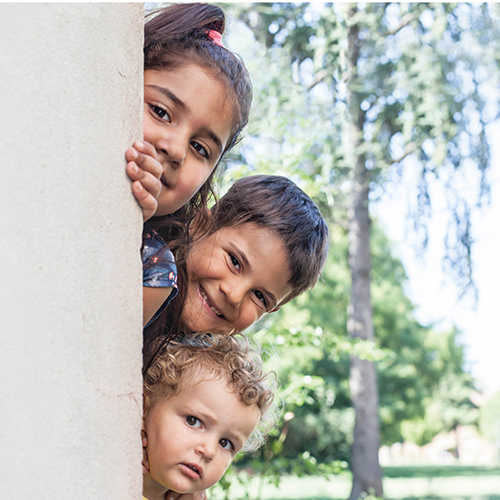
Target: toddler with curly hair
x=206, y=398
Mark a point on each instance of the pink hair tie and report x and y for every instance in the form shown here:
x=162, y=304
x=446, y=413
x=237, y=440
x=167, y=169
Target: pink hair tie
x=216, y=37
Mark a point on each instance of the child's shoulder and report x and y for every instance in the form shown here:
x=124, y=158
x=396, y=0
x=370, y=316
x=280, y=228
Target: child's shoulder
x=156, y=252
x=158, y=267
x=153, y=242
x=158, y=262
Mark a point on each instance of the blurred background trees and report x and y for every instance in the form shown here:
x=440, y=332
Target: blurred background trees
x=350, y=98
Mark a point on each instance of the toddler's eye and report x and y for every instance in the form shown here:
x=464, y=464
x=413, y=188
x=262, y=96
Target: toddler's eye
x=193, y=421
x=200, y=149
x=160, y=112
x=260, y=296
x=234, y=261
x=226, y=444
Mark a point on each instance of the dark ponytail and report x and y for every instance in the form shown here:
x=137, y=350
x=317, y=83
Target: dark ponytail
x=182, y=20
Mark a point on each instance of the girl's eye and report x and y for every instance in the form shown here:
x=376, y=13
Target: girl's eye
x=200, y=149
x=235, y=261
x=160, y=112
x=193, y=421
x=260, y=296
x=226, y=444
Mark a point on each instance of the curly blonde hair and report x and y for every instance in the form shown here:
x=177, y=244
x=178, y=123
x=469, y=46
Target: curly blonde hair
x=232, y=358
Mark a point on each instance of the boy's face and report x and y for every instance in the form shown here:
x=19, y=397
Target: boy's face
x=235, y=276
x=188, y=118
x=192, y=437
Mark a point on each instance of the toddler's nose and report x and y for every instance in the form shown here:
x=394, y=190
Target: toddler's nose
x=207, y=448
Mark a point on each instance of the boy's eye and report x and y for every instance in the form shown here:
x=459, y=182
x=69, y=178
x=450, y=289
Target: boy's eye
x=193, y=421
x=260, y=296
x=234, y=261
x=226, y=444
x=200, y=149
x=160, y=112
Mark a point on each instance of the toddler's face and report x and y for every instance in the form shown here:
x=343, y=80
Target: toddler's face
x=187, y=118
x=235, y=276
x=194, y=436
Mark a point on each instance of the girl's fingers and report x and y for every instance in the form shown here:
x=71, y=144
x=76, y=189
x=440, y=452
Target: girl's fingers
x=145, y=172
x=147, y=202
x=146, y=148
x=149, y=182
x=145, y=161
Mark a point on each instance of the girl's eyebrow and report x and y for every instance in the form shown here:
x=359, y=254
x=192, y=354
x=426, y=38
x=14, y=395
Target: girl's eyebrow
x=214, y=137
x=182, y=105
x=170, y=95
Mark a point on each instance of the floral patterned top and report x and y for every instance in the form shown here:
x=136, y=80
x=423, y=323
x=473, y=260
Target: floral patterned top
x=158, y=267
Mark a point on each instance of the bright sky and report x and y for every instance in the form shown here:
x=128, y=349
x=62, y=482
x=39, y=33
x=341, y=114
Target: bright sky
x=437, y=302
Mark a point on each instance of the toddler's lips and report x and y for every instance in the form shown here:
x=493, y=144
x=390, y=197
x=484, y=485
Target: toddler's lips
x=192, y=470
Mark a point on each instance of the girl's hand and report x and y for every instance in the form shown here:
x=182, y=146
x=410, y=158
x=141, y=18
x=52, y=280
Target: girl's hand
x=172, y=495
x=145, y=171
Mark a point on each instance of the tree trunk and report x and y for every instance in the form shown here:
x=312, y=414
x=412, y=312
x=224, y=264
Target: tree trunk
x=367, y=475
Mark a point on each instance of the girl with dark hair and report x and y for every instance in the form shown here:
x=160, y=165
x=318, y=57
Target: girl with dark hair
x=197, y=97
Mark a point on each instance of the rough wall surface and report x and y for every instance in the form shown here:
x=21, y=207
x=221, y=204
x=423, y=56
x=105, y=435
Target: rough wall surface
x=70, y=271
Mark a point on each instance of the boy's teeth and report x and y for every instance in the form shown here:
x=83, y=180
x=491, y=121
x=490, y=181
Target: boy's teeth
x=204, y=295
x=215, y=311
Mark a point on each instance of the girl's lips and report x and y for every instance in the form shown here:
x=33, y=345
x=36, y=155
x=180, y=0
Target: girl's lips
x=191, y=470
x=209, y=304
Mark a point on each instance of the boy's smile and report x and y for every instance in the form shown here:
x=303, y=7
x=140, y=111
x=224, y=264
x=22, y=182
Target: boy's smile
x=188, y=118
x=194, y=435
x=235, y=276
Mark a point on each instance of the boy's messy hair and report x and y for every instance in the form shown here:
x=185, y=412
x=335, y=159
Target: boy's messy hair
x=278, y=204
x=224, y=357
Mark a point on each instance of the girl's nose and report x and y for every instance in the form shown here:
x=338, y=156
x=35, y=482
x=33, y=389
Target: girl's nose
x=174, y=149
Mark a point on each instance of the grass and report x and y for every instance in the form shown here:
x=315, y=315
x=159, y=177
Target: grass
x=441, y=471
x=400, y=483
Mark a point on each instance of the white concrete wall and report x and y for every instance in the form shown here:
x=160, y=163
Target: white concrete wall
x=70, y=271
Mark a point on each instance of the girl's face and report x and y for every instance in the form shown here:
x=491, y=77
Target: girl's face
x=235, y=276
x=188, y=117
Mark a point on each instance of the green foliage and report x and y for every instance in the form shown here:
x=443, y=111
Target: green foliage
x=419, y=372
x=489, y=419
x=417, y=368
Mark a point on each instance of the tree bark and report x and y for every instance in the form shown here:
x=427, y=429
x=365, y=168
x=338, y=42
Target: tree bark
x=367, y=474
